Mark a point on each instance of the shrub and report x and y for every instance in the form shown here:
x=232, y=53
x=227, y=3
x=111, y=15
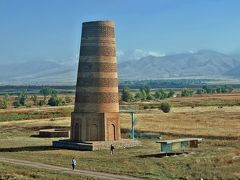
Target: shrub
x=46, y=91
x=3, y=104
x=170, y=93
x=201, y=91
x=126, y=94
x=34, y=99
x=146, y=106
x=160, y=94
x=21, y=99
x=16, y=103
x=186, y=92
x=165, y=107
x=41, y=103
x=55, y=101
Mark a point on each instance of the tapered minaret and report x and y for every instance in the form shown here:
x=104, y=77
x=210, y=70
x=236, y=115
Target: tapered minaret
x=96, y=110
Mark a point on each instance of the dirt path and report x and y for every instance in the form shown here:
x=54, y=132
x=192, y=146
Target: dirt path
x=93, y=174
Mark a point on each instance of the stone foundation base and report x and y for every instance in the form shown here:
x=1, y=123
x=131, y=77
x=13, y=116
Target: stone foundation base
x=94, y=145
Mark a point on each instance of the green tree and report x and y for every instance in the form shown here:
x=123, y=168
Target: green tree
x=226, y=89
x=186, y=92
x=41, y=103
x=208, y=90
x=126, y=94
x=165, y=107
x=147, y=90
x=21, y=99
x=34, y=98
x=201, y=91
x=3, y=104
x=16, y=103
x=46, y=91
x=160, y=94
x=219, y=90
x=170, y=93
x=55, y=101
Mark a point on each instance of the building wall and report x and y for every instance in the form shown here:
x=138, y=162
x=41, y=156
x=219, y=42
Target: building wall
x=96, y=107
x=95, y=127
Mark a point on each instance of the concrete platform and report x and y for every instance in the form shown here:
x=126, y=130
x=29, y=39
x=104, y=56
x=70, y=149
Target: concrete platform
x=94, y=145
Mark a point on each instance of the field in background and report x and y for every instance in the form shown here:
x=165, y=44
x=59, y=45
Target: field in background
x=218, y=156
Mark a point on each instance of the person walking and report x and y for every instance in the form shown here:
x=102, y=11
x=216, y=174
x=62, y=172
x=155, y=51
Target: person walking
x=111, y=149
x=74, y=163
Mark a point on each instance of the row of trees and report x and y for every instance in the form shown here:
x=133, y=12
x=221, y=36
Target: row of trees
x=144, y=93
x=212, y=90
x=50, y=97
x=207, y=90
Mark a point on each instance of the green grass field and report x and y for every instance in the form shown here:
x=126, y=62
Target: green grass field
x=214, y=159
x=217, y=157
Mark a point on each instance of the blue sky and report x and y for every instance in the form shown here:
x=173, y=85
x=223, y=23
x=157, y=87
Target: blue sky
x=51, y=29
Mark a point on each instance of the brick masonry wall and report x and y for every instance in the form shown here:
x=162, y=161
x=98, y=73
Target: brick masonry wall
x=96, y=111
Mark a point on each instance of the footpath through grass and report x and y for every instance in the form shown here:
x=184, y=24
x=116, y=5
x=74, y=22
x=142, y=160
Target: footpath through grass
x=12, y=172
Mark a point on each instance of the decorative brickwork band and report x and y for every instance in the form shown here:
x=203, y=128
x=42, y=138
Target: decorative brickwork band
x=97, y=97
x=103, y=59
x=97, y=82
x=96, y=107
x=97, y=51
x=97, y=89
x=88, y=42
x=97, y=75
x=97, y=67
x=98, y=31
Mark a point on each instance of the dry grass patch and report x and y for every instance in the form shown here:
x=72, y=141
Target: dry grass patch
x=201, y=121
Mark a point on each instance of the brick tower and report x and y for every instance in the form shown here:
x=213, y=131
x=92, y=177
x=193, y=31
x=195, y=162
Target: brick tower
x=96, y=110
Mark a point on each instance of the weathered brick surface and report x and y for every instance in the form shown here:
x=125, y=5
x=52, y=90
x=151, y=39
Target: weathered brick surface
x=98, y=31
x=97, y=82
x=97, y=97
x=97, y=51
x=97, y=67
x=96, y=107
x=96, y=111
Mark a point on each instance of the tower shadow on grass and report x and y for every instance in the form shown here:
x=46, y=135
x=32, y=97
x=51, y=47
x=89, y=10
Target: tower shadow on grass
x=27, y=148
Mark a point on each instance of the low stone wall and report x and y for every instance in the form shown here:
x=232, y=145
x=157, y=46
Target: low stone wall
x=95, y=145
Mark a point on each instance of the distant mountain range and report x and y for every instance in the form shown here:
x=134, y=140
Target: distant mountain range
x=38, y=73
x=202, y=64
